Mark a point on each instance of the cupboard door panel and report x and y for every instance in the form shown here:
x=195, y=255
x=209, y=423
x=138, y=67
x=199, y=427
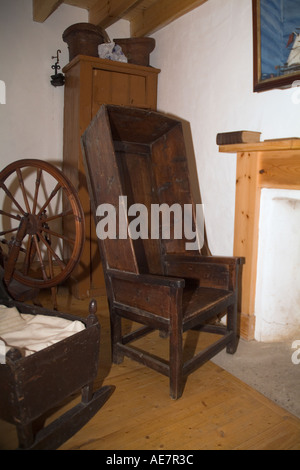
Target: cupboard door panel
x=138, y=91
x=118, y=88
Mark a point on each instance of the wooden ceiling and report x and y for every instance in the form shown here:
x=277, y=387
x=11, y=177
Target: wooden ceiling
x=145, y=16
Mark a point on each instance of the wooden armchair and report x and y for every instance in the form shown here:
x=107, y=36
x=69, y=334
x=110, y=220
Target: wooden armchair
x=135, y=156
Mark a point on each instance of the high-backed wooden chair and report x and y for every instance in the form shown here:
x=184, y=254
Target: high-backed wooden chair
x=155, y=282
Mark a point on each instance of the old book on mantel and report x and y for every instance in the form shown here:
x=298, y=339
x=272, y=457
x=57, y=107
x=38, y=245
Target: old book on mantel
x=238, y=137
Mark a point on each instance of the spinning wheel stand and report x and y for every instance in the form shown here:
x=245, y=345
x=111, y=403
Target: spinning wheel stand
x=41, y=228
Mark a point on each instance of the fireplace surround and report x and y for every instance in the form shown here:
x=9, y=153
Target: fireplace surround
x=270, y=164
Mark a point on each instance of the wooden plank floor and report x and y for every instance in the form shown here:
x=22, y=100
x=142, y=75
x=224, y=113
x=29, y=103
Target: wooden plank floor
x=217, y=411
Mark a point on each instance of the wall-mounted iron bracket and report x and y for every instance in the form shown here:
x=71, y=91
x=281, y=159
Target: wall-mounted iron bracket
x=57, y=79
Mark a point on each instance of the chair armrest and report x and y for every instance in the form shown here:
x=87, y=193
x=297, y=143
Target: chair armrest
x=146, y=295
x=210, y=271
x=229, y=260
x=155, y=280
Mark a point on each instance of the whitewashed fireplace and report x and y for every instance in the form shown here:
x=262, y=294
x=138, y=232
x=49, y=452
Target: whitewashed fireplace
x=277, y=303
x=267, y=234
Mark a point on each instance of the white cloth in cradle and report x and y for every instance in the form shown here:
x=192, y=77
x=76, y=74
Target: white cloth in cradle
x=32, y=333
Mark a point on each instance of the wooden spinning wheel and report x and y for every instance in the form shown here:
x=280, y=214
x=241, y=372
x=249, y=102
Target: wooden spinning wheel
x=41, y=226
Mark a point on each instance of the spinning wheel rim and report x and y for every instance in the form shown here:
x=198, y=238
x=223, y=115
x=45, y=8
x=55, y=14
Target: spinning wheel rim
x=37, y=225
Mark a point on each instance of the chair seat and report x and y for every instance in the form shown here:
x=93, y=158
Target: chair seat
x=204, y=300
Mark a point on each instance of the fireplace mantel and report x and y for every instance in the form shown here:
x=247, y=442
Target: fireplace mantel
x=268, y=164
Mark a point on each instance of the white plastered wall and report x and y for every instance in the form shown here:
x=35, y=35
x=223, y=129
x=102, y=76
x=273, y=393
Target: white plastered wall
x=31, y=115
x=31, y=121
x=206, y=58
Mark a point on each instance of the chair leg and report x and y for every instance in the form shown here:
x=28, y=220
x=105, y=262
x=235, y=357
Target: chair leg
x=25, y=435
x=176, y=364
x=232, y=325
x=116, y=337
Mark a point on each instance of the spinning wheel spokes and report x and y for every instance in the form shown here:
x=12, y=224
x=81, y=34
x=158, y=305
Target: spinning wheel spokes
x=41, y=224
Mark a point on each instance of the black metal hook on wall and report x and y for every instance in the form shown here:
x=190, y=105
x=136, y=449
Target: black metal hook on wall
x=58, y=79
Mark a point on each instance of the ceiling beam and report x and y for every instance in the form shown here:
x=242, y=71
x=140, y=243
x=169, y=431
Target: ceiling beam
x=85, y=4
x=42, y=9
x=105, y=13
x=160, y=14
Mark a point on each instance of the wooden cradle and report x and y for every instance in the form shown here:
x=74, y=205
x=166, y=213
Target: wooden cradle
x=32, y=386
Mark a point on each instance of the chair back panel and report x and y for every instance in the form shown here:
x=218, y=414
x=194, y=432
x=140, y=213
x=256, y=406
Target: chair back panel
x=105, y=188
x=137, y=182
x=171, y=173
x=141, y=155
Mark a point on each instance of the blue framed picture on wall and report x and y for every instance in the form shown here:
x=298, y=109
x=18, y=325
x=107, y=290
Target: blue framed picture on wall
x=276, y=33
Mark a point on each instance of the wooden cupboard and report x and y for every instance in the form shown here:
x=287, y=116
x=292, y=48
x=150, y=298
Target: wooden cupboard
x=91, y=82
